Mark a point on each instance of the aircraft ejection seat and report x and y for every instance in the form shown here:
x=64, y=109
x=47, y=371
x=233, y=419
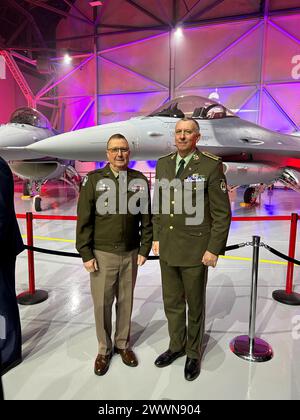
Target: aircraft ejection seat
x=176, y=112
x=198, y=112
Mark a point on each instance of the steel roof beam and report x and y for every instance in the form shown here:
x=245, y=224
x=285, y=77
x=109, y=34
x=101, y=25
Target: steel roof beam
x=30, y=19
x=208, y=8
x=58, y=11
x=285, y=11
x=145, y=11
x=17, y=32
x=78, y=10
x=125, y=31
x=190, y=12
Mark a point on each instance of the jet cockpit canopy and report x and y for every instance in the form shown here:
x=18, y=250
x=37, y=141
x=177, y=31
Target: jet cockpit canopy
x=30, y=116
x=192, y=107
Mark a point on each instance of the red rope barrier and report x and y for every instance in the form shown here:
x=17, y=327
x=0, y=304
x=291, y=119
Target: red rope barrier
x=47, y=217
x=234, y=218
x=30, y=217
x=258, y=218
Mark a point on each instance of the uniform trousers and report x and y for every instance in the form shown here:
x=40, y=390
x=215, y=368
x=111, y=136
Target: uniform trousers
x=10, y=326
x=115, y=279
x=184, y=287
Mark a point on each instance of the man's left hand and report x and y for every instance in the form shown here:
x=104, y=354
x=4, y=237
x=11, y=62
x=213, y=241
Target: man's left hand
x=209, y=259
x=141, y=260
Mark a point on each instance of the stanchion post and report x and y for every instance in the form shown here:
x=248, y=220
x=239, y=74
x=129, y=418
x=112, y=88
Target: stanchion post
x=287, y=296
x=249, y=347
x=30, y=253
x=253, y=298
x=292, y=247
x=31, y=296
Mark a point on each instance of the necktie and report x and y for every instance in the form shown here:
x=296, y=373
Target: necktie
x=180, y=168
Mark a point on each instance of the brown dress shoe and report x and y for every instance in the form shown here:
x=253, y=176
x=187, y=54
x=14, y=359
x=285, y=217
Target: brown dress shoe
x=102, y=364
x=128, y=356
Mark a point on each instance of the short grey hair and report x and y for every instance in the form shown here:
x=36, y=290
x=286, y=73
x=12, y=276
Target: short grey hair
x=116, y=136
x=193, y=120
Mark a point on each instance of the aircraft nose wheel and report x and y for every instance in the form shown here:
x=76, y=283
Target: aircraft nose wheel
x=37, y=203
x=250, y=196
x=26, y=189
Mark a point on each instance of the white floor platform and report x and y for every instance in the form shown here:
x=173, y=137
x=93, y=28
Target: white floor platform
x=59, y=342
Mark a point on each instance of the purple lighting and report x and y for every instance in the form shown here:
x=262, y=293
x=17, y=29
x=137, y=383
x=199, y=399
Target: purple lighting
x=151, y=163
x=132, y=164
x=100, y=165
x=134, y=73
x=284, y=32
x=221, y=53
x=128, y=44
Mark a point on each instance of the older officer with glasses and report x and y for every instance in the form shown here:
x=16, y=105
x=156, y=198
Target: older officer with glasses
x=113, y=242
x=187, y=250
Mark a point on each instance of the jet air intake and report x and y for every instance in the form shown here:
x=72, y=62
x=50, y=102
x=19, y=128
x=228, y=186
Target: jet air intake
x=291, y=178
x=247, y=173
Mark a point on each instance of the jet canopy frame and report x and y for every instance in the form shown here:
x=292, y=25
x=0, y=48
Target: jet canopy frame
x=30, y=116
x=193, y=107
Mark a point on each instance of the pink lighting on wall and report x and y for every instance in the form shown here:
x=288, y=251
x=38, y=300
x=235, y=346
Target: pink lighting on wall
x=95, y=3
x=247, y=63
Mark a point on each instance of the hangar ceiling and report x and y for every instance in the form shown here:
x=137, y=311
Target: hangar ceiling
x=30, y=25
x=240, y=51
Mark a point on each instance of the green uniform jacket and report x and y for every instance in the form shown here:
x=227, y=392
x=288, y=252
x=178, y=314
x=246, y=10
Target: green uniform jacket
x=181, y=244
x=111, y=232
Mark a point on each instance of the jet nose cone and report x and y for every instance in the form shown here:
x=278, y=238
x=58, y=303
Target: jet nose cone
x=87, y=144
x=72, y=145
x=11, y=136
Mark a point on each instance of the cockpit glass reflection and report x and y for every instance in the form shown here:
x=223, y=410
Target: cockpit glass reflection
x=193, y=107
x=31, y=117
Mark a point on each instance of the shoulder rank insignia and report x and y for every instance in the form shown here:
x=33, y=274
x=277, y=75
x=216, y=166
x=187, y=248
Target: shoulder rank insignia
x=171, y=155
x=210, y=155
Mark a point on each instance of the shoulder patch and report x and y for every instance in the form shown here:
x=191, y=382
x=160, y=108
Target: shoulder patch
x=223, y=185
x=212, y=156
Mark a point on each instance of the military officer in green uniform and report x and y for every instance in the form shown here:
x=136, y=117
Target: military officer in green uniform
x=187, y=250
x=112, y=241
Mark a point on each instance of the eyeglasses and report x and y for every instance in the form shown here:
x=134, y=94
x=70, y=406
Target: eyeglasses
x=185, y=132
x=116, y=150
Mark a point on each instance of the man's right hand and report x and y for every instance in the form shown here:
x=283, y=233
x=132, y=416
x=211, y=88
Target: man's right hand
x=155, y=248
x=91, y=266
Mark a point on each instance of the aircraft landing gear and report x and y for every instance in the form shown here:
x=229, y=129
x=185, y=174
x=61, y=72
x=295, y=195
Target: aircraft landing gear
x=37, y=203
x=26, y=189
x=250, y=195
x=72, y=178
x=35, y=189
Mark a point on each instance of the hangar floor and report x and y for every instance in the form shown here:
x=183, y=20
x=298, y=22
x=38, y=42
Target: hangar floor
x=59, y=343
